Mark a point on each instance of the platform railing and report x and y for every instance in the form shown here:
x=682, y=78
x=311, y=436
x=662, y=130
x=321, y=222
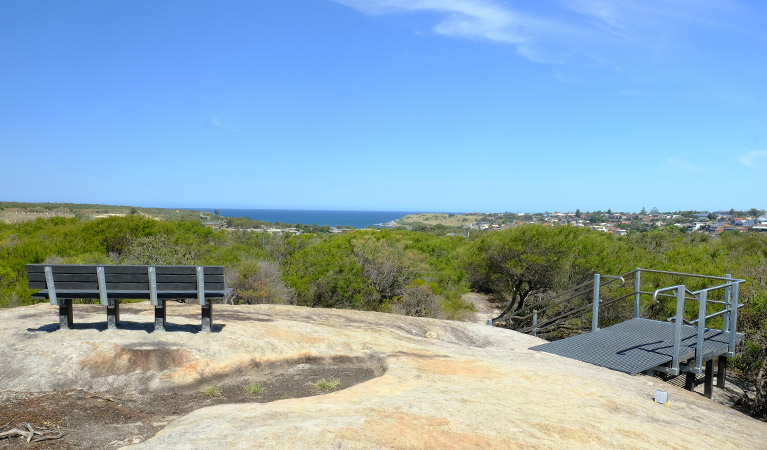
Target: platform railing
x=532, y=313
x=730, y=312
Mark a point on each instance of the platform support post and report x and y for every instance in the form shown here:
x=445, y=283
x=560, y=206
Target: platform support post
x=689, y=381
x=702, y=300
x=680, y=294
x=733, y=319
x=727, y=305
x=721, y=371
x=595, y=307
x=708, y=385
x=637, y=286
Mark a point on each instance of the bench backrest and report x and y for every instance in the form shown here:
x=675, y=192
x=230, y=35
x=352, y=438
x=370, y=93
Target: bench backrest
x=79, y=277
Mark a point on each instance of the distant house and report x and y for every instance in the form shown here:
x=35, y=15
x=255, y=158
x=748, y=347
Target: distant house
x=215, y=226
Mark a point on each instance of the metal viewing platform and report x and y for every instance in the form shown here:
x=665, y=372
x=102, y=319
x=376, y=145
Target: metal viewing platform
x=641, y=345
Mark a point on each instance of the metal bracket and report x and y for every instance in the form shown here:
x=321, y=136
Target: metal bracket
x=51, y=288
x=667, y=370
x=152, y=286
x=201, y=285
x=687, y=369
x=102, y=285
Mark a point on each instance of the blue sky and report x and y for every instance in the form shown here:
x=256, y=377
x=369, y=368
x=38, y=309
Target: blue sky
x=420, y=105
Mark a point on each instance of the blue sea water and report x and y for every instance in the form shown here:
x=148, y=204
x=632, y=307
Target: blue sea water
x=354, y=219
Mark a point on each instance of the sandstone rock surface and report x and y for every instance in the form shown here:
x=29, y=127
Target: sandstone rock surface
x=439, y=384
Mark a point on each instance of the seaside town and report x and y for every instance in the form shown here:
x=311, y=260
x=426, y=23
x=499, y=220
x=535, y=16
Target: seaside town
x=620, y=223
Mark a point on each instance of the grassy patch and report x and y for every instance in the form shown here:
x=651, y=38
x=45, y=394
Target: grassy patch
x=212, y=391
x=456, y=308
x=253, y=388
x=325, y=385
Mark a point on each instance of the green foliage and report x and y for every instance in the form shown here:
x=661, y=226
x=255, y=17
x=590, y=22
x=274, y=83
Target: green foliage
x=531, y=259
x=326, y=385
x=212, y=391
x=253, y=388
x=410, y=272
x=418, y=299
x=260, y=281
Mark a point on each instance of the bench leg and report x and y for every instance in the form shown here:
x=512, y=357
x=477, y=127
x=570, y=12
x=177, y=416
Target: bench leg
x=207, y=316
x=113, y=314
x=708, y=385
x=160, y=315
x=721, y=371
x=66, y=319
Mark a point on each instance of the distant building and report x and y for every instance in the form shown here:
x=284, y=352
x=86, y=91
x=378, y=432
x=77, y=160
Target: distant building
x=215, y=226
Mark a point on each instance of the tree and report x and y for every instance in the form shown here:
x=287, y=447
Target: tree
x=383, y=264
x=260, y=282
x=418, y=299
x=517, y=263
x=643, y=211
x=578, y=213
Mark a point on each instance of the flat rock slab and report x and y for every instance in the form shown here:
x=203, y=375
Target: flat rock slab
x=437, y=384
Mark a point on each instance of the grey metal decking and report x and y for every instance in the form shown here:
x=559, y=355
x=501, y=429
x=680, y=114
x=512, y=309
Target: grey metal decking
x=637, y=345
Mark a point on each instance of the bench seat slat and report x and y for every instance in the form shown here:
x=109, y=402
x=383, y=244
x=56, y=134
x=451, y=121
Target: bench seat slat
x=69, y=285
x=88, y=294
x=124, y=278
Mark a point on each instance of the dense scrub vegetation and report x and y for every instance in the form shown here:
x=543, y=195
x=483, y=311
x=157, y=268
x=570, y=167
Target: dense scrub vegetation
x=408, y=272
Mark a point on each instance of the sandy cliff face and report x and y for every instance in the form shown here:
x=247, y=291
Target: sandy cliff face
x=436, y=384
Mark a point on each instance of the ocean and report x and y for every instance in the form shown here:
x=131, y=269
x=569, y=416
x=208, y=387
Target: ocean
x=354, y=219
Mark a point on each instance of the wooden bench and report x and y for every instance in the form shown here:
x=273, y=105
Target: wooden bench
x=61, y=283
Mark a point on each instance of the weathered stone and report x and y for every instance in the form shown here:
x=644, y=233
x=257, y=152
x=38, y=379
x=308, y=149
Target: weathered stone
x=446, y=385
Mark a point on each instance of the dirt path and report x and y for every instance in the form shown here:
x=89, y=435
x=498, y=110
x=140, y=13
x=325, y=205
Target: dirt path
x=485, y=309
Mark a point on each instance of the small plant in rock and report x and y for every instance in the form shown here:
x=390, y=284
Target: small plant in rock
x=212, y=391
x=253, y=388
x=325, y=385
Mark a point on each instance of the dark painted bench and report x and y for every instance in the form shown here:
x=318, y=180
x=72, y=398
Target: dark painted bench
x=61, y=283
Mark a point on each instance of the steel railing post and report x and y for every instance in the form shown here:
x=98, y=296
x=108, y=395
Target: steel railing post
x=727, y=305
x=701, y=330
x=733, y=319
x=680, y=294
x=595, y=307
x=637, y=285
x=535, y=322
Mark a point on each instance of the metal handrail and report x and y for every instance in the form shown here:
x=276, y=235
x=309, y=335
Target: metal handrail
x=671, y=288
x=733, y=283
x=694, y=275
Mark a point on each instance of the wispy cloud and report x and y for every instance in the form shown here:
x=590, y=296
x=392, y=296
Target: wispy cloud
x=215, y=121
x=756, y=159
x=604, y=32
x=481, y=20
x=680, y=165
